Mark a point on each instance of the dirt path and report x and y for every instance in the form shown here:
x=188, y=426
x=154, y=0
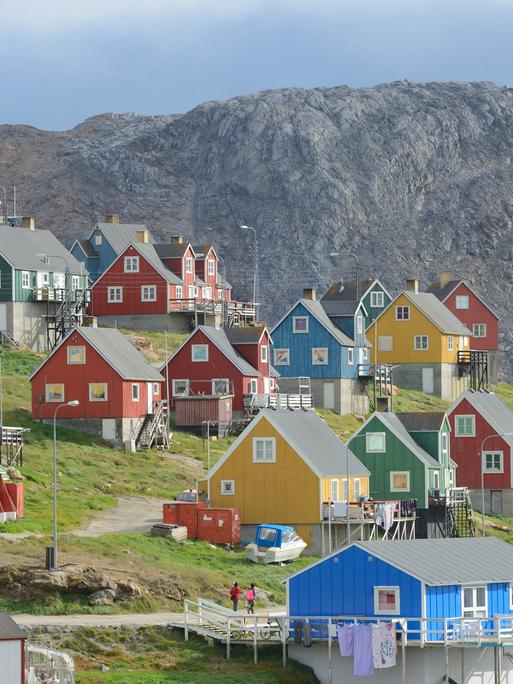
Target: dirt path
x=132, y=514
x=131, y=619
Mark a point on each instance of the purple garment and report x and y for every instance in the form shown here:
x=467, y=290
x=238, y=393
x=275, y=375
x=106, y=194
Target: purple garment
x=363, y=659
x=345, y=636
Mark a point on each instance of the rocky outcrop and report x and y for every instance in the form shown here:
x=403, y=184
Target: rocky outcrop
x=411, y=178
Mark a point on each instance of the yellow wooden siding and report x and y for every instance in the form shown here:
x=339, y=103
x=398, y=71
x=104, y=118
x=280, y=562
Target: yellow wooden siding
x=286, y=491
x=326, y=487
x=403, y=333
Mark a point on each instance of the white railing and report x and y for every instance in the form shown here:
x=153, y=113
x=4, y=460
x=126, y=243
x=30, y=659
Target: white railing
x=293, y=401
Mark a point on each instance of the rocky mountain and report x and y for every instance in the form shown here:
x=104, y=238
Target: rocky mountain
x=411, y=178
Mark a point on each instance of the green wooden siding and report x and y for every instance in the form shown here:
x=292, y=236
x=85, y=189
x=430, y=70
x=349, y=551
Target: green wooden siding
x=397, y=457
x=432, y=443
x=374, y=312
x=25, y=294
x=5, y=281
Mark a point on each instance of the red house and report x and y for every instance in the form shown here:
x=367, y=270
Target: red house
x=119, y=391
x=179, y=257
x=475, y=314
x=222, y=361
x=481, y=443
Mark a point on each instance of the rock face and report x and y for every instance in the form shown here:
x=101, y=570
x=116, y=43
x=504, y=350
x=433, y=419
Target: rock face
x=412, y=178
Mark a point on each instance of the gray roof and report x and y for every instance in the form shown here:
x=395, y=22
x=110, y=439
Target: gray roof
x=316, y=309
x=9, y=629
x=346, y=291
x=448, y=561
x=87, y=248
x=118, y=351
x=24, y=249
x=443, y=291
x=245, y=334
x=120, y=235
x=149, y=253
x=433, y=308
x=334, y=307
x=422, y=421
x=222, y=282
x=220, y=339
x=395, y=425
x=493, y=409
x=171, y=250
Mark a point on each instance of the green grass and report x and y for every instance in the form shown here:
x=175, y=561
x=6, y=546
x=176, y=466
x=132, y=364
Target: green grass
x=343, y=426
x=153, y=344
x=412, y=401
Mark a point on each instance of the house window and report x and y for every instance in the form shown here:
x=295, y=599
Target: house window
x=54, y=392
x=479, y=329
x=386, y=601
x=227, y=487
x=253, y=386
x=135, y=391
x=356, y=488
x=45, y=279
x=75, y=282
x=220, y=386
x=179, y=292
x=180, y=388
x=282, y=357
x=465, y=426
x=264, y=353
x=199, y=352
x=191, y=291
x=365, y=354
x=450, y=342
x=132, y=264
x=210, y=267
x=300, y=324
x=450, y=477
x=114, y=294
x=399, y=481
x=493, y=462
x=385, y=343
x=188, y=264
x=350, y=356
x=59, y=280
x=25, y=280
x=345, y=494
x=377, y=300
x=319, y=356
x=375, y=442
x=219, y=293
x=98, y=240
x=436, y=479
x=207, y=293
x=264, y=450
x=402, y=313
x=475, y=603
x=420, y=342
x=334, y=494
x=76, y=356
x=445, y=442
x=359, y=324
x=148, y=293
x=462, y=301
x=156, y=388
x=98, y=391
x=195, y=290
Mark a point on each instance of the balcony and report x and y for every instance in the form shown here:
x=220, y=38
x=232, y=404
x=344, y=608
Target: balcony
x=60, y=294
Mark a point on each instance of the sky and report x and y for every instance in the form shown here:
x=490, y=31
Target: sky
x=63, y=61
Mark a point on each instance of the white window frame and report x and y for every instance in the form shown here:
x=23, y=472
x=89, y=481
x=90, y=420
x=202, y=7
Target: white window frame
x=179, y=292
x=365, y=353
x=76, y=346
x=397, y=592
x=135, y=385
x=75, y=282
x=375, y=451
x=185, y=393
x=282, y=363
x=377, y=300
x=269, y=441
x=46, y=279
x=320, y=363
x=195, y=348
x=444, y=442
x=192, y=289
x=55, y=401
x=334, y=486
x=188, y=264
x=96, y=399
x=457, y=432
x=436, y=479
x=294, y=325
x=475, y=608
x=219, y=293
x=450, y=342
x=115, y=294
x=131, y=264
x=357, y=485
x=350, y=356
x=404, y=310
x=493, y=452
x=98, y=240
x=25, y=280
x=156, y=388
x=253, y=386
x=264, y=353
x=226, y=380
x=399, y=472
x=478, y=326
x=418, y=343
x=211, y=267
x=231, y=485
x=359, y=324
x=148, y=293
x=462, y=299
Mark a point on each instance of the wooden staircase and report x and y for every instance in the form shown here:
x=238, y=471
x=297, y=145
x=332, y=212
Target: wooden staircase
x=154, y=430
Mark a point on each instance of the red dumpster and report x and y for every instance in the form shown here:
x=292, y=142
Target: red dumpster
x=17, y=493
x=183, y=513
x=219, y=525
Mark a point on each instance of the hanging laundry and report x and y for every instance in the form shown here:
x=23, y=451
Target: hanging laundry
x=345, y=636
x=380, y=513
x=388, y=515
x=384, y=645
x=408, y=508
x=363, y=660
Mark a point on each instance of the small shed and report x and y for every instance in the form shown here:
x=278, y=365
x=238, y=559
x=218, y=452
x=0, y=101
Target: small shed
x=193, y=411
x=12, y=650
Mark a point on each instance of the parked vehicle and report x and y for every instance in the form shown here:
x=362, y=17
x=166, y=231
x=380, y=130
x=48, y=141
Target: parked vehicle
x=275, y=544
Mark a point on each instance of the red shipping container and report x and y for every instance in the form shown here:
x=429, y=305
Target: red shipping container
x=183, y=513
x=17, y=493
x=219, y=525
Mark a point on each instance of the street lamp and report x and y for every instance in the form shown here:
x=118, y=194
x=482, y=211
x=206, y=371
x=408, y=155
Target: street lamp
x=357, y=269
x=255, y=271
x=4, y=205
x=74, y=402
x=506, y=434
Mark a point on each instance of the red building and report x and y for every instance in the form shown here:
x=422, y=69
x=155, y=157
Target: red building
x=117, y=388
x=475, y=314
x=481, y=443
x=222, y=361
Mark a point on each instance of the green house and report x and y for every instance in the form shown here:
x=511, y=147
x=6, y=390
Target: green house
x=405, y=464
x=342, y=300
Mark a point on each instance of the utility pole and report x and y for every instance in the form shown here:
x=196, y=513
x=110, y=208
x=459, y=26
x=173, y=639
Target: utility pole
x=255, y=269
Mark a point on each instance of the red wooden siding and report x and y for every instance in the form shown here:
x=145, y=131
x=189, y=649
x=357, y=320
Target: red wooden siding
x=476, y=313
x=253, y=354
x=76, y=379
x=131, y=283
x=466, y=451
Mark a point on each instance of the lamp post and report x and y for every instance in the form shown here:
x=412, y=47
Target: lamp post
x=481, y=453
x=4, y=205
x=255, y=271
x=223, y=290
x=74, y=402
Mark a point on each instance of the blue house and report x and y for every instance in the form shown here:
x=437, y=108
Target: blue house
x=308, y=346
x=106, y=242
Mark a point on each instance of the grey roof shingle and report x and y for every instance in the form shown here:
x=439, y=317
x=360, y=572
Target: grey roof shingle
x=448, y=561
x=149, y=253
x=334, y=307
x=120, y=235
x=393, y=422
x=220, y=339
x=316, y=309
x=346, y=291
x=440, y=291
x=171, y=250
x=25, y=249
x=428, y=421
x=249, y=334
x=439, y=314
x=309, y=435
x=88, y=249
x=9, y=629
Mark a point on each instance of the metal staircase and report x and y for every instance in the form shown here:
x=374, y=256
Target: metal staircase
x=65, y=310
x=474, y=364
x=154, y=430
x=7, y=339
x=377, y=383
x=460, y=507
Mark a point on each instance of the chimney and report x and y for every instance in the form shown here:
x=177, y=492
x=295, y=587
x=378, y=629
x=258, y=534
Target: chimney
x=446, y=277
x=176, y=239
x=309, y=293
x=112, y=218
x=142, y=236
x=28, y=222
x=412, y=285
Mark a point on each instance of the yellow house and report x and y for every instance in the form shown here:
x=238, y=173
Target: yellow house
x=281, y=469
x=422, y=339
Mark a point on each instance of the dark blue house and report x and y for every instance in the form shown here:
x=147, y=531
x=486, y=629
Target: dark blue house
x=308, y=345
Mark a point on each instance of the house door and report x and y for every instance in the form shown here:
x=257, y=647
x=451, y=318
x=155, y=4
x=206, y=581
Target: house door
x=427, y=380
x=3, y=316
x=496, y=502
x=149, y=386
x=329, y=395
x=267, y=385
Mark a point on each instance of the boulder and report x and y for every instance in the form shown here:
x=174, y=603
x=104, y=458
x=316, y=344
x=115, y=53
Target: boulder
x=105, y=597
